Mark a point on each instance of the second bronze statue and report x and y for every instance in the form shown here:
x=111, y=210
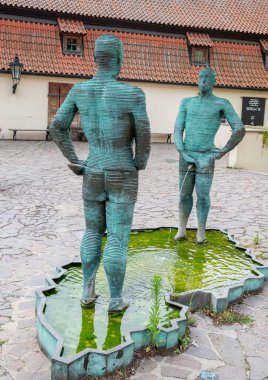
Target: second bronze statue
x=197, y=123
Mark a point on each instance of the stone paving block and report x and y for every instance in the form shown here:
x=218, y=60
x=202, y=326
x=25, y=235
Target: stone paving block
x=175, y=372
x=232, y=373
x=4, y=320
x=229, y=349
x=14, y=364
x=6, y=313
x=22, y=348
x=202, y=347
x=202, y=351
x=233, y=327
x=5, y=305
x=36, y=361
x=5, y=273
x=258, y=367
x=5, y=377
x=26, y=313
x=147, y=365
x=33, y=376
x=159, y=358
x=145, y=377
x=25, y=323
x=256, y=300
x=253, y=343
x=184, y=361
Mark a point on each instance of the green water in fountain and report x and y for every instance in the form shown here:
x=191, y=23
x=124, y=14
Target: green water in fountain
x=183, y=266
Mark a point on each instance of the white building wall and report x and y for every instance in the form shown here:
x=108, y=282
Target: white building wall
x=28, y=107
x=251, y=154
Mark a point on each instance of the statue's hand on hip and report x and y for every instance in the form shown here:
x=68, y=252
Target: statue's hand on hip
x=218, y=153
x=79, y=168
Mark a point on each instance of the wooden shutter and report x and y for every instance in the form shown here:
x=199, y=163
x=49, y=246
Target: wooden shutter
x=53, y=100
x=56, y=95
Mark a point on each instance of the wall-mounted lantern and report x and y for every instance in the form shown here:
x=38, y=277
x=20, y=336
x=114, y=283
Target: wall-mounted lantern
x=16, y=69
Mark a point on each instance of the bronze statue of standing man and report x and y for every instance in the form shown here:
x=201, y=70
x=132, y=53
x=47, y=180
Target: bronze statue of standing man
x=113, y=117
x=197, y=123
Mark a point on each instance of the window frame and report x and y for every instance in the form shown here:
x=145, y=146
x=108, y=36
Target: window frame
x=200, y=63
x=79, y=39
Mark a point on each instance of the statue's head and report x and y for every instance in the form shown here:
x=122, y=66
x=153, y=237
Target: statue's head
x=206, y=79
x=108, y=53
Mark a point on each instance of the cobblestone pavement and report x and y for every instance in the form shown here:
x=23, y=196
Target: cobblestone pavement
x=41, y=225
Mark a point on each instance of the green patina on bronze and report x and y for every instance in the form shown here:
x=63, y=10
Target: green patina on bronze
x=199, y=119
x=182, y=265
x=113, y=117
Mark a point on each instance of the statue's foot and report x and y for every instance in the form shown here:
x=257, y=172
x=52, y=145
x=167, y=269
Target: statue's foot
x=117, y=305
x=88, y=302
x=200, y=237
x=180, y=235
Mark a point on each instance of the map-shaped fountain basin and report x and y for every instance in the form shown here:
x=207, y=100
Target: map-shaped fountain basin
x=89, y=341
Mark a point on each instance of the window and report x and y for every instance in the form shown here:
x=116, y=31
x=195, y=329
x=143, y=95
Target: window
x=265, y=58
x=199, y=55
x=72, y=45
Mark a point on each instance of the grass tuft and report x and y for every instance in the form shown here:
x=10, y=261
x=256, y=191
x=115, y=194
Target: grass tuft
x=229, y=317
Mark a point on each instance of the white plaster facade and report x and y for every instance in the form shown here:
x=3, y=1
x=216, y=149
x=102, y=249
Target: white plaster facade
x=28, y=107
x=252, y=153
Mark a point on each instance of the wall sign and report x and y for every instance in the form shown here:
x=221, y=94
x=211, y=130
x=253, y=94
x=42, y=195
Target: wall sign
x=253, y=111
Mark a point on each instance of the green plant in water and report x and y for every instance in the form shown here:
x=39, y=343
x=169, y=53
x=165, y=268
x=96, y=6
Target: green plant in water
x=257, y=239
x=154, y=314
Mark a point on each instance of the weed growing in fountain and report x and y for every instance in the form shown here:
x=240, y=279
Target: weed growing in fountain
x=154, y=314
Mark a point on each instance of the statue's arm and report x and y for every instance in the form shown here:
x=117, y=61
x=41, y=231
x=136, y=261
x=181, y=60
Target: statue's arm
x=180, y=126
x=238, y=129
x=142, y=131
x=59, y=128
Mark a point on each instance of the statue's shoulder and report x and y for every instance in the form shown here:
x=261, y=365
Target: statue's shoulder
x=133, y=90
x=187, y=101
x=221, y=101
x=80, y=86
x=136, y=93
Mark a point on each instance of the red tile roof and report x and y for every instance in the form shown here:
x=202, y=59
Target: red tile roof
x=231, y=15
x=264, y=45
x=146, y=57
x=198, y=39
x=71, y=26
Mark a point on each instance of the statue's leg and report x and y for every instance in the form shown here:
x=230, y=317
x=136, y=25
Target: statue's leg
x=186, y=184
x=203, y=184
x=91, y=248
x=119, y=219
